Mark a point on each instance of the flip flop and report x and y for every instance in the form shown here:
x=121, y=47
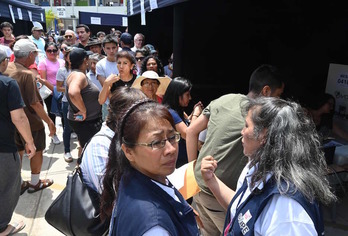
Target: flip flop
x=14, y=228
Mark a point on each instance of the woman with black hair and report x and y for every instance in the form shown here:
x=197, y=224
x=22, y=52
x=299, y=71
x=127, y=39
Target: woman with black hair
x=126, y=65
x=48, y=69
x=137, y=194
x=84, y=113
x=152, y=62
x=177, y=98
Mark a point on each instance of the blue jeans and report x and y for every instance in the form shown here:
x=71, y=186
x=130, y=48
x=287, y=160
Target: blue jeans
x=67, y=129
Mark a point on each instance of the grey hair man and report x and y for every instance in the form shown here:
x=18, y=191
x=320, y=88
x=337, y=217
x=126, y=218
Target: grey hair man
x=25, y=52
x=139, y=41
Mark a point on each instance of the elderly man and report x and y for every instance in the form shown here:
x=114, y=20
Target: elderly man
x=25, y=52
x=12, y=117
x=70, y=37
x=36, y=33
x=139, y=41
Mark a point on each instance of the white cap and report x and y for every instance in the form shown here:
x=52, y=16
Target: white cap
x=25, y=45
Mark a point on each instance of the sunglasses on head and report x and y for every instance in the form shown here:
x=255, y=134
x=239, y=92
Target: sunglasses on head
x=68, y=36
x=51, y=50
x=139, y=58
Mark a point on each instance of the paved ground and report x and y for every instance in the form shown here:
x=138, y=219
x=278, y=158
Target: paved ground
x=32, y=207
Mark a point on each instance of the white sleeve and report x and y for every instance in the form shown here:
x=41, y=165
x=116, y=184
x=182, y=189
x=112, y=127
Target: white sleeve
x=60, y=74
x=284, y=216
x=157, y=231
x=99, y=69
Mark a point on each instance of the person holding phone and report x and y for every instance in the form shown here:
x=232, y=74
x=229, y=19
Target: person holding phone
x=84, y=113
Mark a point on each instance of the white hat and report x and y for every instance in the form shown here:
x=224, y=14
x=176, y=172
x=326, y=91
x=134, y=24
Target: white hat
x=3, y=54
x=164, y=81
x=25, y=45
x=37, y=26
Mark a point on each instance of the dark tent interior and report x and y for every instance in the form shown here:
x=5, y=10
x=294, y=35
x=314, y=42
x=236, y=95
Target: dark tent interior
x=24, y=13
x=217, y=44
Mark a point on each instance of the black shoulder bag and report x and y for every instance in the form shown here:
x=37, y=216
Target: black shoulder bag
x=76, y=210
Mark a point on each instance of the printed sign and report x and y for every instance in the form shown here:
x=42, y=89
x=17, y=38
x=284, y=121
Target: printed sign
x=61, y=12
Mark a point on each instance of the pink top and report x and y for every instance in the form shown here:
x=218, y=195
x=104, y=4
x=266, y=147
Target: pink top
x=51, y=69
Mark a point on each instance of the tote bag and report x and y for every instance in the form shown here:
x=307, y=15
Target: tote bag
x=76, y=210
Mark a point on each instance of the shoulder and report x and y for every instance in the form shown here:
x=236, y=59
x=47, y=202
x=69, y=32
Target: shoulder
x=5, y=79
x=296, y=218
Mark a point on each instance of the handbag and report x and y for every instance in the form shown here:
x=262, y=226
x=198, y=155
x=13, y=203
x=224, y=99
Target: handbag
x=76, y=210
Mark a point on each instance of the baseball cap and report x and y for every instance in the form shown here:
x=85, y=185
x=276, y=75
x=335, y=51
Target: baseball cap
x=78, y=54
x=126, y=38
x=25, y=45
x=3, y=55
x=37, y=26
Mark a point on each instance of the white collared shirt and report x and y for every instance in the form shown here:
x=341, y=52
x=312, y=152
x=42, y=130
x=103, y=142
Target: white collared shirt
x=282, y=215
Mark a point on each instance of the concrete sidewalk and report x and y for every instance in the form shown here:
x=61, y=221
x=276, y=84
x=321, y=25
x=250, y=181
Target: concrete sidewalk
x=31, y=207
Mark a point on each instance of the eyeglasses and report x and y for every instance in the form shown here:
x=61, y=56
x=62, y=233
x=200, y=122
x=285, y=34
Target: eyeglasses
x=52, y=51
x=155, y=145
x=63, y=49
x=139, y=58
x=68, y=36
x=148, y=84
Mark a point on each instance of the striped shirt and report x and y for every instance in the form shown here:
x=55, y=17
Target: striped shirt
x=95, y=158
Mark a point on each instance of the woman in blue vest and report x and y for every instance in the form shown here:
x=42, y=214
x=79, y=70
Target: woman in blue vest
x=282, y=186
x=136, y=190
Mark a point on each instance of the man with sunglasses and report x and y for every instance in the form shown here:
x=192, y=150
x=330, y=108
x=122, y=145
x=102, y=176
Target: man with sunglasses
x=70, y=37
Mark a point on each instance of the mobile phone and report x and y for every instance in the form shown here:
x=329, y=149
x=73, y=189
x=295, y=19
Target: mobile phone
x=79, y=117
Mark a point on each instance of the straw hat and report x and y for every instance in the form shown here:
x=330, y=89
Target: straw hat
x=164, y=81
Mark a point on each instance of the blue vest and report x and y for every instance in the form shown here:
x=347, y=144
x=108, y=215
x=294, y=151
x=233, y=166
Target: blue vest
x=141, y=205
x=255, y=204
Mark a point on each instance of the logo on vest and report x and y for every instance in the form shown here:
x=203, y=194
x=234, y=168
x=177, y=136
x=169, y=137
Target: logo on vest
x=243, y=220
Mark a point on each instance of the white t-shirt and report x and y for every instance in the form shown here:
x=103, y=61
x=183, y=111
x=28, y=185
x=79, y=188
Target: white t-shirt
x=105, y=68
x=92, y=77
x=281, y=214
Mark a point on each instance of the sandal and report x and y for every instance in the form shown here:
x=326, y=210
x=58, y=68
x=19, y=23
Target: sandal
x=13, y=228
x=24, y=186
x=40, y=185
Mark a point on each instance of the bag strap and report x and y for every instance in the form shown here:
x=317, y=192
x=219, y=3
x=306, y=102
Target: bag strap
x=79, y=160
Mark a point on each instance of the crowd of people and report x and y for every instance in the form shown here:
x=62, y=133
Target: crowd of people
x=260, y=156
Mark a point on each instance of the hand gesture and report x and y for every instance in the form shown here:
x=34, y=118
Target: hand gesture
x=112, y=79
x=197, y=109
x=208, y=167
